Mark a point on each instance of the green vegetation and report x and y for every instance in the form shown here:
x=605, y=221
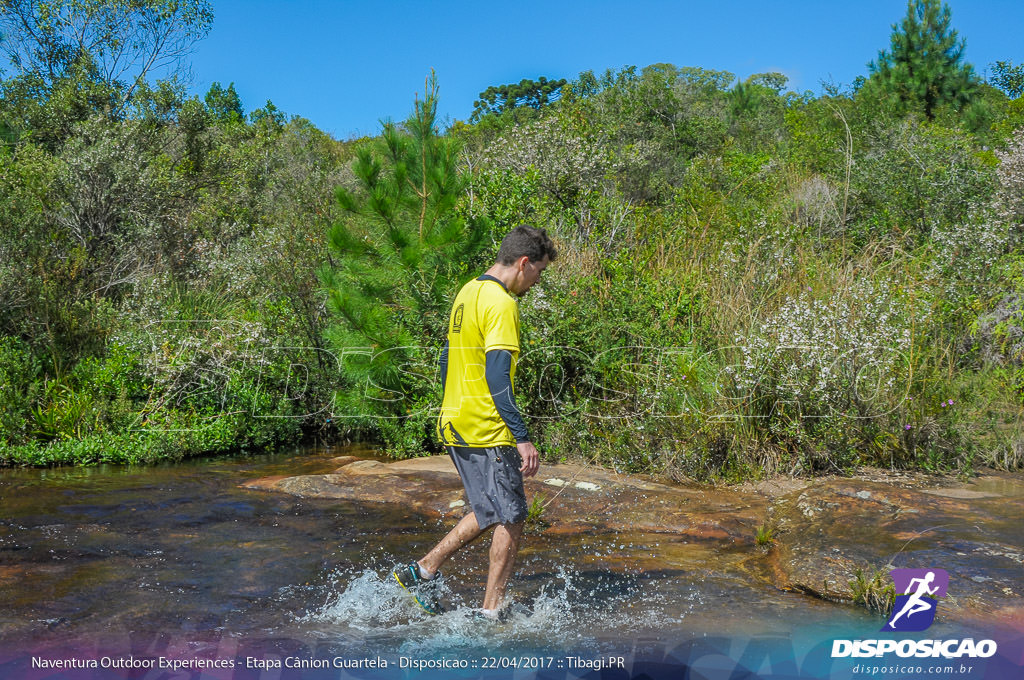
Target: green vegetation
x=923, y=69
x=1009, y=78
x=874, y=592
x=504, y=100
x=400, y=251
x=751, y=280
x=157, y=253
x=535, y=513
x=765, y=536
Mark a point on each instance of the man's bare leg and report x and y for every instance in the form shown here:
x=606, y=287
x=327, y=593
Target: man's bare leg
x=464, y=532
x=504, y=546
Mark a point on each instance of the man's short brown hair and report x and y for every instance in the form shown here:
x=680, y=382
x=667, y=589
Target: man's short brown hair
x=526, y=240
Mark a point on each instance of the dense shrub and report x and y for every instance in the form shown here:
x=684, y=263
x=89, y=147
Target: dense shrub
x=751, y=281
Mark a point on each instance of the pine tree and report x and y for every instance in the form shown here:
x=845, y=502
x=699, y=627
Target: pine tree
x=399, y=253
x=924, y=67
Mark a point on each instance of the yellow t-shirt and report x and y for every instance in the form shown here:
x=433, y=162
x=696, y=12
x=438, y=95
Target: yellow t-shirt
x=484, y=317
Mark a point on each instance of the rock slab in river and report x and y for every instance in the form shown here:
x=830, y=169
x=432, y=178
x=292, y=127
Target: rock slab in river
x=825, y=530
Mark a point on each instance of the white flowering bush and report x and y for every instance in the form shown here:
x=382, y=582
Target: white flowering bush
x=816, y=363
x=564, y=159
x=965, y=255
x=565, y=162
x=1009, y=199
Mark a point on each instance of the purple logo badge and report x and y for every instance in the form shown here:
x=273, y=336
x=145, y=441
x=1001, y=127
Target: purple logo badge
x=914, y=609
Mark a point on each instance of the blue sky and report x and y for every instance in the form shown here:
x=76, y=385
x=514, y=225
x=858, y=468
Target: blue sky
x=347, y=64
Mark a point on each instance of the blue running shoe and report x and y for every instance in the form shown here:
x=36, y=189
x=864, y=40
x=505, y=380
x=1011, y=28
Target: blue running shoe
x=426, y=592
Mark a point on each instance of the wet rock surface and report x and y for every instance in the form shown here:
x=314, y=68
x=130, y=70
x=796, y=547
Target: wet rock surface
x=825, y=533
x=575, y=499
x=834, y=529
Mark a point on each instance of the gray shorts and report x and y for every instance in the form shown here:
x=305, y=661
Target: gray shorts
x=493, y=483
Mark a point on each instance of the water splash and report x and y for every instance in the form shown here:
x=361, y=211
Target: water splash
x=570, y=608
x=368, y=603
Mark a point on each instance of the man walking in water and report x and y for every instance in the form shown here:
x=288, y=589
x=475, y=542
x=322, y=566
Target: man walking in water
x=479, y=423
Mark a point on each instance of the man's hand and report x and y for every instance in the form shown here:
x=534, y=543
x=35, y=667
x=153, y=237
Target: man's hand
x=531, y=458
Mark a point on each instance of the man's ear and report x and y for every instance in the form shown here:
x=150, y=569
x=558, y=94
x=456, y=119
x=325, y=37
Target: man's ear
x=522, y=262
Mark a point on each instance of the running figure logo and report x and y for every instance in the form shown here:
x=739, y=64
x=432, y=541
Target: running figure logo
x=914, y=610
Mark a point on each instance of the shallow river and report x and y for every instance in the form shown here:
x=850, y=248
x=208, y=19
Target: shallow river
x=179, y=562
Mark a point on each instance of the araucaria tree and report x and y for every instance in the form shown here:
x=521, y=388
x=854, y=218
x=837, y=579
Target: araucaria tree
x=923, y=67
x=498, y=99
x=403, y=246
